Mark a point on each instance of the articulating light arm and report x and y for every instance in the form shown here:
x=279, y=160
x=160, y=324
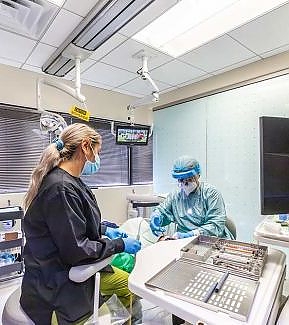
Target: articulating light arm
x=74, y=92
x=53, y=122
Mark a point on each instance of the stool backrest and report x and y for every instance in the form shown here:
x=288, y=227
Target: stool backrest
x=231, y=226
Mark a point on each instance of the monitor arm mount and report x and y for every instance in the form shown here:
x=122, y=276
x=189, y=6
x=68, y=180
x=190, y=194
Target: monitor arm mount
x=151, y=98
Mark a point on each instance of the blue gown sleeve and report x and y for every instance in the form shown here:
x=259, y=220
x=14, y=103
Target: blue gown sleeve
x=215, y=216
x=165, y=209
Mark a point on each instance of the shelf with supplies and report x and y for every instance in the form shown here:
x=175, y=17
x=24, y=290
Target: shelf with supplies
x=11, y=242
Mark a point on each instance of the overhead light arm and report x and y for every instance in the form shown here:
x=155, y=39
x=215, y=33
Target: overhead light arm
x=74, y=92
x=53, y=122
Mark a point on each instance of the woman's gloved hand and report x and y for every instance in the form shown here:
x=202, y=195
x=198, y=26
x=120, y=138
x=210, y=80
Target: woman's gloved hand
x=114, y=233
x=131, y=245
x=181, y=235
x=156, y=225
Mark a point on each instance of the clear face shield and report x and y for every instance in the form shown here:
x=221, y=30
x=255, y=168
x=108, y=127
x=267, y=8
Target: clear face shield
x=189, y=185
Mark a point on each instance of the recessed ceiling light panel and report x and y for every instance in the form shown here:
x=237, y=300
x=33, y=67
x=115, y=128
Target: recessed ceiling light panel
x=191, y=23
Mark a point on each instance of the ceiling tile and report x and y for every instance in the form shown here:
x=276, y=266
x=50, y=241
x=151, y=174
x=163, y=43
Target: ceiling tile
x=122, y=56
x=125, y=92
x=237, y=65
x=108, y=46
x=83, y=66
x=152, y=12
x=83, y=9
x=10, y=62
x=275, y=51
x=265, y=33
x=176, y=72
x=15, y=47
x=143, y=87
x=168, y=90
x=62, y=26
x=108, y=75
x=32, y=68
x=217, y=54
x=96, y=84
x=40, y=54
x=190, y=82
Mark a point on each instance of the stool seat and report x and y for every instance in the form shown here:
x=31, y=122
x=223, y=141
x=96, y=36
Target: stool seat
x=13, y=314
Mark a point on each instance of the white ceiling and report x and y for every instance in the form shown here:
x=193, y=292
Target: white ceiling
x=113, y=67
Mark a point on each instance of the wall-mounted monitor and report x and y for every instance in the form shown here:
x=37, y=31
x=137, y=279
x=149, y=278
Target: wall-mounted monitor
x=132, y=135
x=274, y=139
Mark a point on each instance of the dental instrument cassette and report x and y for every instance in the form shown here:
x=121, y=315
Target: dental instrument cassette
x=215, y=273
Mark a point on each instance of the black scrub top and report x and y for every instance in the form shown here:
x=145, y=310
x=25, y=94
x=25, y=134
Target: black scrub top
x=63, y=229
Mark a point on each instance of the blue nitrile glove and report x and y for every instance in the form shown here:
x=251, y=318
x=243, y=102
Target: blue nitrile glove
x=156, y=225
x=114, y=233
x=131, y=245
x=181, y=235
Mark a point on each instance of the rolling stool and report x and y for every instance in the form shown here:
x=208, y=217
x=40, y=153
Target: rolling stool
x=13, y=314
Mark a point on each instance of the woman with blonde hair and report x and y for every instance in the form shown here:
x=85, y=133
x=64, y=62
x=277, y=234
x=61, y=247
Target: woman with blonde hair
x=63, y=228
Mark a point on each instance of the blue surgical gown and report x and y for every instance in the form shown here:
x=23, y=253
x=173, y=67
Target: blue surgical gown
x=203, y=210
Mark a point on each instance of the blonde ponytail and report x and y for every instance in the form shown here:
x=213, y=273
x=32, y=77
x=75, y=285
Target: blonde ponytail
x=71, y=137
x=50, y=158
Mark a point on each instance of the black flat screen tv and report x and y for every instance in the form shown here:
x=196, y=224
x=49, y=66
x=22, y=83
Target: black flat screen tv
x=132, y=135
x=274, y=154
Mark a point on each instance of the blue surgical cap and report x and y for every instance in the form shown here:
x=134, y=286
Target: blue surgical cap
x=186, y=167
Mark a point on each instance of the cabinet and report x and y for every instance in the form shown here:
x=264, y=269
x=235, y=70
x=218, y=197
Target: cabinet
x=12, y=240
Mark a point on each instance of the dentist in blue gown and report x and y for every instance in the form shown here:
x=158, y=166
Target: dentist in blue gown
x=195, y=207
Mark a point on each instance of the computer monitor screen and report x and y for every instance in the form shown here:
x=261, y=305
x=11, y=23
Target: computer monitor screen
x=132, y=135
x=274, y=139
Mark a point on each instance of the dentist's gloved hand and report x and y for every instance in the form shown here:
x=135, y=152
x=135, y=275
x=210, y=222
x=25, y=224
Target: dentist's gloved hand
x=181, y=235
x=131, y=245
x=114, y=233
x=156, y=225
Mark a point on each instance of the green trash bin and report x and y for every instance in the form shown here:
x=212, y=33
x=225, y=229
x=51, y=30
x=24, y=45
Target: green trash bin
x=124, y=261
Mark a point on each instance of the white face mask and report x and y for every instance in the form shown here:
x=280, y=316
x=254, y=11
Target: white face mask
x=189, y=187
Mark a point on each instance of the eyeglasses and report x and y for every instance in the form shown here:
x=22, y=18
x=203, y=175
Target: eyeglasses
x=186, y=180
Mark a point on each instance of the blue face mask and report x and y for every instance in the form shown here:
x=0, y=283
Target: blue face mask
x=89, y=167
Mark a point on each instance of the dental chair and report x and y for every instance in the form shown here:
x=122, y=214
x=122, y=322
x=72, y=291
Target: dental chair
x=13, y=314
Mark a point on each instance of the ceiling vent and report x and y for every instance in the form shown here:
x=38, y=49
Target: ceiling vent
x=26, y=17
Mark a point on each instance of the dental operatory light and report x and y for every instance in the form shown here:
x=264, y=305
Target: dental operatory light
x=52, y=123
x=192, y=23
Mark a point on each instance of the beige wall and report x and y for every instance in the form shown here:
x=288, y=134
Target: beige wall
x=18, y=87
x=278, y=63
